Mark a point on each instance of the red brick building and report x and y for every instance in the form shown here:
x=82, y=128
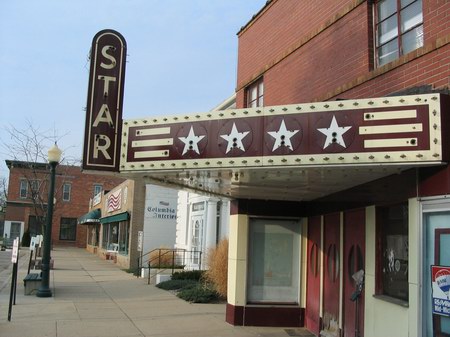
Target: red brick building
x=294, y=52
x=73, y=192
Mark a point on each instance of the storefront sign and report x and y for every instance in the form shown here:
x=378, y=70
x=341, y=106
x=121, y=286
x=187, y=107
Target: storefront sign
x=97, y=199
x=104, y=103
x=440, y=281
x=114, y=201
x=163, y=210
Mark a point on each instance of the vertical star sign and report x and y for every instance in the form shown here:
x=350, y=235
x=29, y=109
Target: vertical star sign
x=282, y=137
x=234, y=139
x=191, y=142
x=334, y=133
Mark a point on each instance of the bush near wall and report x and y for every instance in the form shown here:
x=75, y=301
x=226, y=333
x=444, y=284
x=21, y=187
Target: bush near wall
x=217, y=273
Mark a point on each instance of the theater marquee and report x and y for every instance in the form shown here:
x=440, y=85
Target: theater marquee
x=384, y=131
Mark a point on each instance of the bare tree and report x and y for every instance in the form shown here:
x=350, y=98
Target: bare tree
x=27, y=150
x=3, y=191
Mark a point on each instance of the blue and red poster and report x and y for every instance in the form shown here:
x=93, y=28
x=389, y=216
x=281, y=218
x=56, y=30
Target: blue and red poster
x=440, y=282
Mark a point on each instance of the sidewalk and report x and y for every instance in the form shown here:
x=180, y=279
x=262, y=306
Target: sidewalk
x=93, y=297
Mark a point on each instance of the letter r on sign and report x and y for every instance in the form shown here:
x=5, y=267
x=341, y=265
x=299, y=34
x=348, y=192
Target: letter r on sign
x=103, y=148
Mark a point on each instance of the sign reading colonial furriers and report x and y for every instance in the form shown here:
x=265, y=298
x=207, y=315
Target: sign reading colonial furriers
x=384, y=131
x=104, y=103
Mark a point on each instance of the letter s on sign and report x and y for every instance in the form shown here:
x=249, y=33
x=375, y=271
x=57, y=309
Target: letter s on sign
x=109, y=57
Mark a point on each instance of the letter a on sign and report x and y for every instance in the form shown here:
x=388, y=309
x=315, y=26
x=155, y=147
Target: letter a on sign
x=104, y=102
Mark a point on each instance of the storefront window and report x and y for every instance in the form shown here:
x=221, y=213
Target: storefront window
x=273, y=275
x=93, y=235
x=116, y=235
x=123, y=237
x=392, y=259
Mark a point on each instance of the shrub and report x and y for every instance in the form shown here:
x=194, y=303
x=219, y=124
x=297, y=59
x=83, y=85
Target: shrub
x=198, y=294
x=177, y=284
x=195, y=275
x=217, y=273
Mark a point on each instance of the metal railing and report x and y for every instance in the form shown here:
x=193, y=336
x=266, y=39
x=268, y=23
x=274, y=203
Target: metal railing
x=163, y=259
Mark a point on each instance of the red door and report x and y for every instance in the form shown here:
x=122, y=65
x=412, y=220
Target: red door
x=354, y=260
x=312, y=314
x=331, y=236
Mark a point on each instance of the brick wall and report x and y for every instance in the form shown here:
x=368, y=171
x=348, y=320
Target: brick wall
x=82, y=189
x=314, y=51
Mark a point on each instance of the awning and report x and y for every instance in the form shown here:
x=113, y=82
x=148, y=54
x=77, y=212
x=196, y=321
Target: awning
x=90, y=218
x=115, y=218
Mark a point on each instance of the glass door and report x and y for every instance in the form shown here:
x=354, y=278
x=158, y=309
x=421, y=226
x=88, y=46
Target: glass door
x=273, y=267
x=436, y=236
x=196, y=240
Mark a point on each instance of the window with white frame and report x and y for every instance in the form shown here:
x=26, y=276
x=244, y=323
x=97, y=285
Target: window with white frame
x=67, y=188
x=255, y=94
x=398, y=28
x=23, y=189
x=97, y=189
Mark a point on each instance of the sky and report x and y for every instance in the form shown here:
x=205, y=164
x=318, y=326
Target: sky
x=181, y=58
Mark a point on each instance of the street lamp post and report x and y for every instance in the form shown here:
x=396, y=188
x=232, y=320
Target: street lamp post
x=54, y=156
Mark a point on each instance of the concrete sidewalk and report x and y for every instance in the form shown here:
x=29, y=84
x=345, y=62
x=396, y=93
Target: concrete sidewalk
x=93, y=297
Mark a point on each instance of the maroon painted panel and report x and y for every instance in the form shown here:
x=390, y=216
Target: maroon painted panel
x=274, y=316
x=280, y=135
x=354, y=260
x=311, y=138
x=104, y=103
x=331, y=238
x=312, y=312
x=234, y=315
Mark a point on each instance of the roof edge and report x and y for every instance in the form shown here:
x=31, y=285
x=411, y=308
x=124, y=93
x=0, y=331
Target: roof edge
x=255, y=16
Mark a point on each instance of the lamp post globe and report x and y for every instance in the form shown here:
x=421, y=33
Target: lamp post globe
x=54, y=156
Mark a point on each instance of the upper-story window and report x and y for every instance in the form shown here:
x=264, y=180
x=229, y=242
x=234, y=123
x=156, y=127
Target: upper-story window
x=255, y=94
x=23, y=193
x=66, y=191
x=398, y=28
x=34, y=189
x=97, y=189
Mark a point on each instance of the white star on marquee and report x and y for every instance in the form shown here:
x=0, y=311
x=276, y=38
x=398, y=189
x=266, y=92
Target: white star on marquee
x=334, y=133
x=282, y=137
x=191, y=141
x=234, y=139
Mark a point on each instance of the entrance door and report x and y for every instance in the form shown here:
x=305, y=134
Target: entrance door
x=331, y=247
x=15, y=230
x=436, y=227
x=196, y=240
x=442, y=258
x=312, y=313
x=354, y=257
